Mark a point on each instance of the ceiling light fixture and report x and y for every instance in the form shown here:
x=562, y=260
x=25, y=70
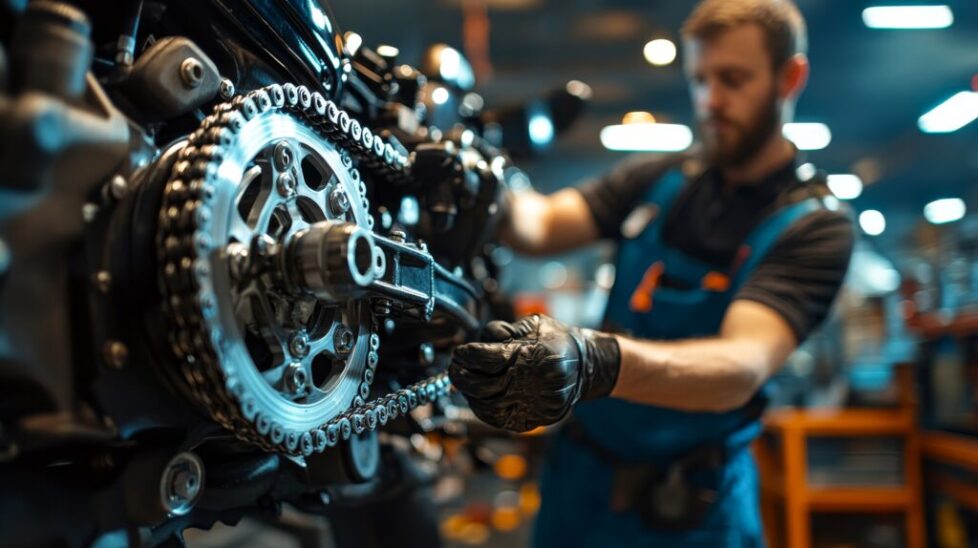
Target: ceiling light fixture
x=808, y=136
x=645, y=137
x=908, y=17
x=953, y=114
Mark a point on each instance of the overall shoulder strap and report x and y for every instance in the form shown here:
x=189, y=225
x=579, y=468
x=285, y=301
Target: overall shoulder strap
x=765, y=234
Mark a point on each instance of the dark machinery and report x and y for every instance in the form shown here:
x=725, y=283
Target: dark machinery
x=234, y=246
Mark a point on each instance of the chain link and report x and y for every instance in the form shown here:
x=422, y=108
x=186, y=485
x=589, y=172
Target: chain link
x=183, y=242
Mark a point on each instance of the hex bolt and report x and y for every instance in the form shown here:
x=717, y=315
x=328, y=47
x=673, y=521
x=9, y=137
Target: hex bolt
x=182, y=483
x=115, y=354
x=296, y=378
x=89, y=212
x=103, y=281
x=237, y=259
x=118, y=187
x=285, y=184
x=191, y=72
x=427, y=354
x=283, y=155
x=339, y=202
x=225, y=89
x=299, y=344
x=343, y=339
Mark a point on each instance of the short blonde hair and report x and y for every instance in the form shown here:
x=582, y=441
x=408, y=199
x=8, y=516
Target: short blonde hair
x=783, y=26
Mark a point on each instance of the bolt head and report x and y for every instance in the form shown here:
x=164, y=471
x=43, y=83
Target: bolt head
x=343, y=340
x=103, y=281
x=296, y=378
x=226, y=89
x=115, y=354
x=118, y=187
x=427, y=354
x=339, y=202
x=285, y=184
x=299, y=344
x=283, y=155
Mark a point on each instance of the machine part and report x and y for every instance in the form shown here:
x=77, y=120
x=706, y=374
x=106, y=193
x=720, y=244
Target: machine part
x=116, y=354
x=333, y=261
x=230, y=314
x=118, y=186
x=171, y=78
x=51, y=50
x=226, y=89
x=182, y=483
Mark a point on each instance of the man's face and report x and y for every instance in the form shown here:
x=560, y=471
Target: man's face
x=735, y=93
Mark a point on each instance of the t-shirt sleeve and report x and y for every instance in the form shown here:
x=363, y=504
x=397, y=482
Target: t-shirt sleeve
x=801, y=275
x=612, y=197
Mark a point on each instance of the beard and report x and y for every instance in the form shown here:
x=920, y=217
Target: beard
x=746, y=139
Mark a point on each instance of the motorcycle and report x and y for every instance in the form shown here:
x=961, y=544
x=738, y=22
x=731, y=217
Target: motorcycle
x=236, y=249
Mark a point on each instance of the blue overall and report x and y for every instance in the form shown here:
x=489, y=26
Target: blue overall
x=576, y=482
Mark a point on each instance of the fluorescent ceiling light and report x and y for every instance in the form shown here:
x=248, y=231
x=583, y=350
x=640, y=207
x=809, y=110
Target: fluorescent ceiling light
x=660, y=52
x=845, y=186
x=647, y=137
x=908, y=17
x=951, y=115
x=808, y=136
x=945, y=210
x=872, y=222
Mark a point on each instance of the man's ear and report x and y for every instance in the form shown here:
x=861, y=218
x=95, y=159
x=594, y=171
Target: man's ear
x=794, y=76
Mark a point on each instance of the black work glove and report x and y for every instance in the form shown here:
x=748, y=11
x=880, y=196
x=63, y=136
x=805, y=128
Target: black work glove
x=529, y=373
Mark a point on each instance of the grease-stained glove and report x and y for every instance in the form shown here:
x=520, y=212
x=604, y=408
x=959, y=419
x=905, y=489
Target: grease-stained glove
x=531, y=372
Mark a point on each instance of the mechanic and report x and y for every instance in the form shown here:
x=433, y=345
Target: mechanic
x=726, y=262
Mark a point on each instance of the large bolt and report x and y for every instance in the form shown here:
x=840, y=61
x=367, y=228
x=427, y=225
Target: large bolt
x=343, y=340
x=299, y=344
x=283, y=155
x=339, y=202
x=115, y=354
x=296, y=378
x=191, y=72
x=181, y=483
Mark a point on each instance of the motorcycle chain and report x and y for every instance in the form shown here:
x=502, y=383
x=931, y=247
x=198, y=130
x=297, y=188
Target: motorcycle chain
x=183, y=243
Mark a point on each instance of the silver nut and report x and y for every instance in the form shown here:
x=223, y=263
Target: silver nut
x=283, y=155
x=225, y=89
x=191, y=72
x=427, y=354
x=339, y=202
x=343, y=340
x=118, y=187
x=285, y=184
x=115, y=354
x=299, y=344
x=296, y=378
x=103, y=281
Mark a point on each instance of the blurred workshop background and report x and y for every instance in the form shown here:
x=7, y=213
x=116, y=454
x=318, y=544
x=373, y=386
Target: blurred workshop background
x=874, y=432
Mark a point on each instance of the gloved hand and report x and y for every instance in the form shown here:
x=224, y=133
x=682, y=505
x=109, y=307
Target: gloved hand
x=529, y=373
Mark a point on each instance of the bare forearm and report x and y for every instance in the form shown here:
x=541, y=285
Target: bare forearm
x=713, y=374
x=542, y=225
